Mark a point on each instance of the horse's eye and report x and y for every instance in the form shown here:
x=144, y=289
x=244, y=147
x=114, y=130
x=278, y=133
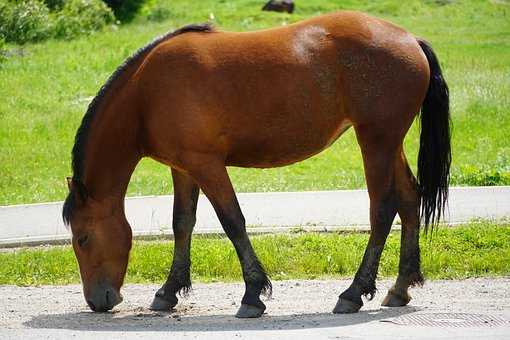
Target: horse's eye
x=82, y=240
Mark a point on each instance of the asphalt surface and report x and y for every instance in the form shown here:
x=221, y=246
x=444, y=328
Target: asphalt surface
x=264, y=212
x=466, y=309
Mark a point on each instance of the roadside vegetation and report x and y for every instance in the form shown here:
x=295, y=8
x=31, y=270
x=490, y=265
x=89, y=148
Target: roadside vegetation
x=23, y=21
x=472, y=250
x=46, y=87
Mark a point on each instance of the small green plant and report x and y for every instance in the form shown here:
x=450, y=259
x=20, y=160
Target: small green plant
x=482, y=176
x=3, y=51
x=158, y=14
x=55, y=5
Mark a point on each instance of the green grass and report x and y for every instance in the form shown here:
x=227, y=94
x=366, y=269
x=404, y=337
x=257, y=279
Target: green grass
x=478, y=249
x=45, y=88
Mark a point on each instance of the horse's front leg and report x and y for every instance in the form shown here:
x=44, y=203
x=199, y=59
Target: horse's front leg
x=212, y=177
x=184, y=217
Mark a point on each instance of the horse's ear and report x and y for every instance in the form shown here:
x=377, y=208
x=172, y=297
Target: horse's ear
x=69, y=183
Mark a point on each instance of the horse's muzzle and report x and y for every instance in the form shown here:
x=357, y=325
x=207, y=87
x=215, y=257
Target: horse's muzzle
x=103, y=298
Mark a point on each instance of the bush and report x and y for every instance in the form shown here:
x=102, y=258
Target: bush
x=125, y=10
x=54, y=5
x=24, y=21
x=81, y=17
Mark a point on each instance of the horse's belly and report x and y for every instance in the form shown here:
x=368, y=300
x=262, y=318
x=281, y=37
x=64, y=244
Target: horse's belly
x=284, y=148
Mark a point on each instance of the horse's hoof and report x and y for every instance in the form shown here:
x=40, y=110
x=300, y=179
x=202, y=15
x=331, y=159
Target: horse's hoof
x=160, y=304
x=344, y=306
x=247, y=311
x=394, y=300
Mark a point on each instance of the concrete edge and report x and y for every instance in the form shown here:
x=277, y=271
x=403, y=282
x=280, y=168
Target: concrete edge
x=165, y=235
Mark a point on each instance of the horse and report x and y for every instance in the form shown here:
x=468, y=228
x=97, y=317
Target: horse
x=199, y=100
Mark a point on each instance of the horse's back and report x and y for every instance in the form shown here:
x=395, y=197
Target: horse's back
x=276, y=96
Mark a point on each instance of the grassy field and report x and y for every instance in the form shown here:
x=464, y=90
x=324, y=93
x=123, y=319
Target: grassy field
x=481, y=249
x=45, y=88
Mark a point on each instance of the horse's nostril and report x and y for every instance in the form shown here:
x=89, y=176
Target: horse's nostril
x=91, y=305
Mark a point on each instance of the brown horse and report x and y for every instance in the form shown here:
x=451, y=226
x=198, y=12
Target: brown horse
x=199, y=100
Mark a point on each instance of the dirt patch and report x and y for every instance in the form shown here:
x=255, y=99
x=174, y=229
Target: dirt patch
x=210, y=307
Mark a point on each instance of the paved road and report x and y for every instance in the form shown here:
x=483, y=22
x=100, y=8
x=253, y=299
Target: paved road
x=299, y=310
x=313, y=210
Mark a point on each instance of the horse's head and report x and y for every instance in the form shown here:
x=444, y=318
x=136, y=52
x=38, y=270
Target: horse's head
x=101, y=242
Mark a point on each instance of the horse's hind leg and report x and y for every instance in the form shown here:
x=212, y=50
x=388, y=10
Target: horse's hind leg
x=184, y=217
x=379, y=152
x=213, y=179
x=409, y=273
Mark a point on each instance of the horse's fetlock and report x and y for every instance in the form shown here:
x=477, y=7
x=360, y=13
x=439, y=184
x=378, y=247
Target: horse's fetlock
x=416, y=279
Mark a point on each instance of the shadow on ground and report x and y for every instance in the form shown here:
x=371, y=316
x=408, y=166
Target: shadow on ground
x=145, y=320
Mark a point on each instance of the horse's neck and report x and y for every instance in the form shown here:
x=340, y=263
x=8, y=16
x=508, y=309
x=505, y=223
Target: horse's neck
x=113, y=148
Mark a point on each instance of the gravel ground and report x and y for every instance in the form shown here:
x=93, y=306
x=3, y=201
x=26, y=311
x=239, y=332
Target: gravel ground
x=61, y=312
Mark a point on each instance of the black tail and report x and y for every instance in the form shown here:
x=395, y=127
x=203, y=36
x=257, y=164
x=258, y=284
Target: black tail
x=434, y=157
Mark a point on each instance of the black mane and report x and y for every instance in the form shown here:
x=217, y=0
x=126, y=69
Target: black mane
x=78, y=152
